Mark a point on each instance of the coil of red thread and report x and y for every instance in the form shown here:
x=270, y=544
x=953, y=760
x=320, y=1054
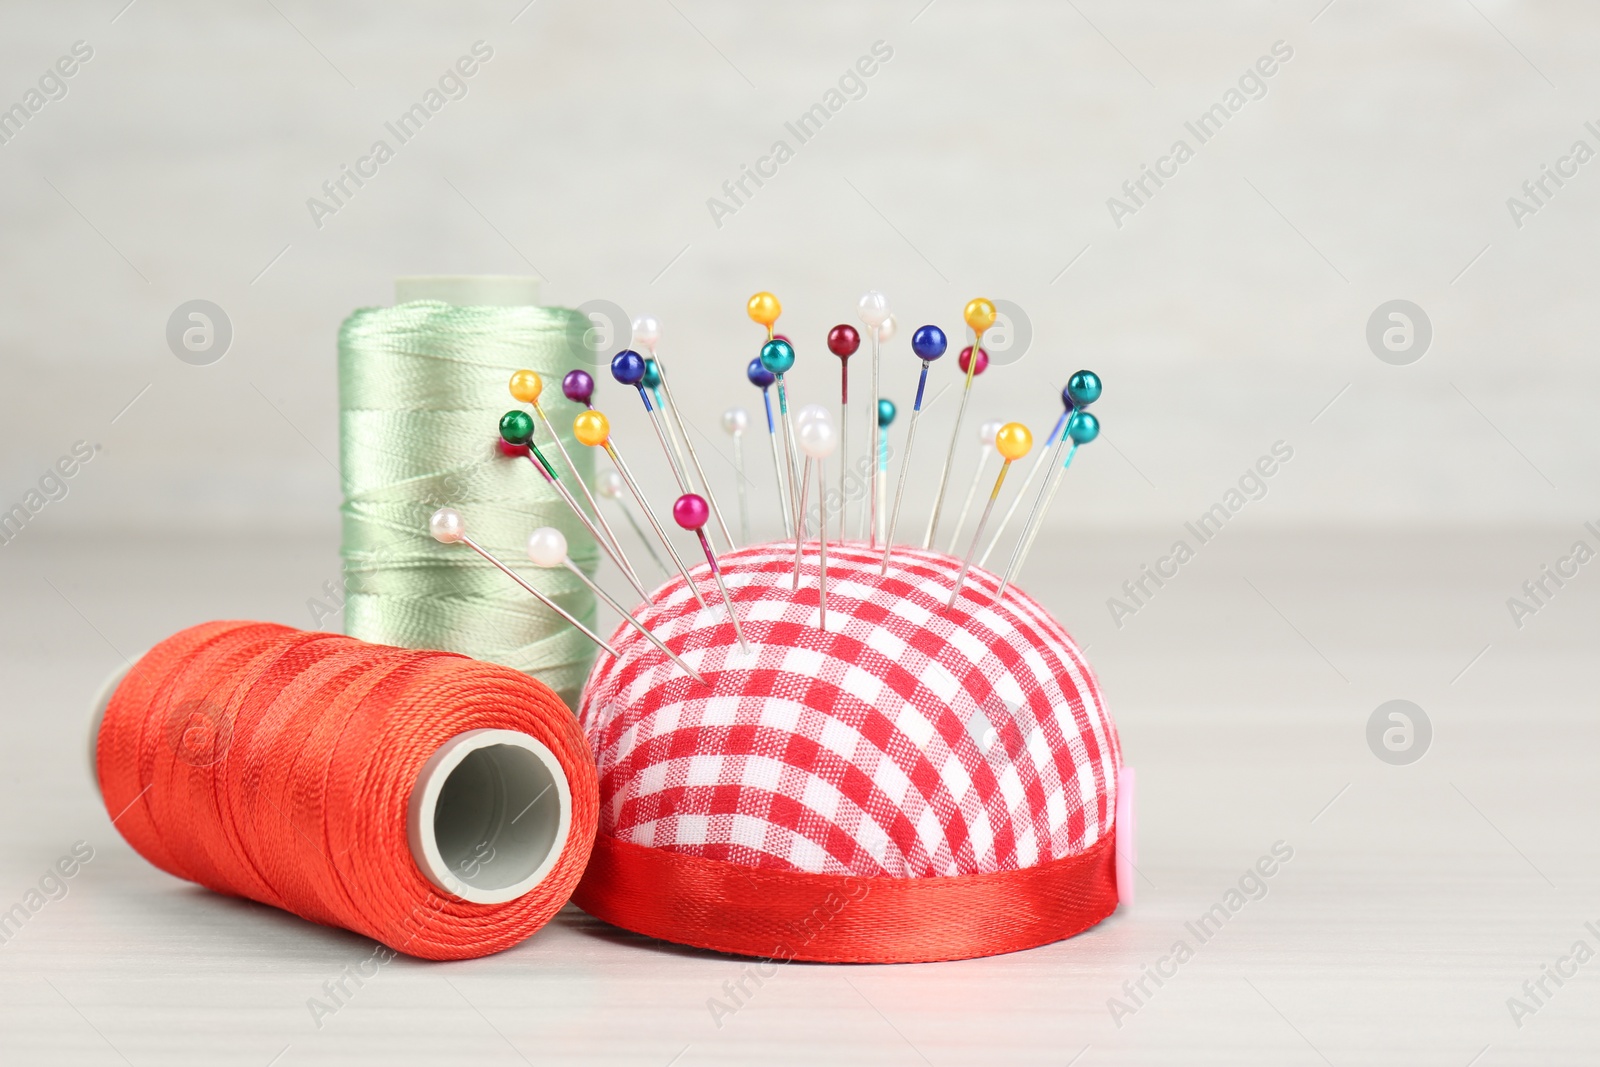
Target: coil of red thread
x=440, y=805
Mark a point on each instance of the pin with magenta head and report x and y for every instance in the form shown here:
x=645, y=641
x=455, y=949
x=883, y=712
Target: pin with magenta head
x=979, y=315
x=986, y=434
x=527, y=386
x=449, y=528
x=763, y=379
x=547, y=548
x=873, y=310
x=647, y=333
x=1082, y=428
x=691, y=512
x=610, y=486
x=843, y=341
x=928, y=344
x=516, y=428
x=1012, y=442
x=592, y=428
x=734, y=423
x=777, y=355
x=1081, y=390
x=578, y=387
x=818, y=439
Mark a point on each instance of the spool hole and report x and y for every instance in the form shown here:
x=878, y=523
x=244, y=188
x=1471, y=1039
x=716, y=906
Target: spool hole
x=490, y=815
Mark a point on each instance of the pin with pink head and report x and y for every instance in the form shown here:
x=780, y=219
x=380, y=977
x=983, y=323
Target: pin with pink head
x=691, y=512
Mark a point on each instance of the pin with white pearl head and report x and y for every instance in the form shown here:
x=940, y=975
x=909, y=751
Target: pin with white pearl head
x=873, y=310
x=734, y=423
x=818, y=439
x=449, y=528
x=927, y=344
x=547, y=548
x=979, y=315
x=1082, y=389
x=610, y=485
x=807, y=415
x=691, y=511
x=516, y=430
x=986, y=434
x=647, y=332
x=1012, y=442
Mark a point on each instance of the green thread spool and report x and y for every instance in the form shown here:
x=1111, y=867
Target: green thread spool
x=422, y=386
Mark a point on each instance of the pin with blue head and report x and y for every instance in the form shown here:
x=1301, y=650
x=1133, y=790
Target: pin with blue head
x=763, y=379
x=928, y=343
x=630, y=368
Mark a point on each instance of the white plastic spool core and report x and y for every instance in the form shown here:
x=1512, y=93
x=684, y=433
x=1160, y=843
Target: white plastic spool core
x=489, y=815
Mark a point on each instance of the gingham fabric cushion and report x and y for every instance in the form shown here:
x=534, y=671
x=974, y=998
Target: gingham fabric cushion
x=909, y=740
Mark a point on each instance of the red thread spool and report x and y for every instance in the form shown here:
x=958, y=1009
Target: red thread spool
x=442, y=806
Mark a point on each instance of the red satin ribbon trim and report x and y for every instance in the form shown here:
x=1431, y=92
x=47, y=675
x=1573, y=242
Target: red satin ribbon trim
x=839, y=918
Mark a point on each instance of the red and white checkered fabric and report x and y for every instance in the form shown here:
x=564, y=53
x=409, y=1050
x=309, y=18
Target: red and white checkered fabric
x=908, y=740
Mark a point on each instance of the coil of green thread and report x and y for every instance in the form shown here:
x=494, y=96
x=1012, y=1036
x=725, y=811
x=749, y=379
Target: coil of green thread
x=422, y=386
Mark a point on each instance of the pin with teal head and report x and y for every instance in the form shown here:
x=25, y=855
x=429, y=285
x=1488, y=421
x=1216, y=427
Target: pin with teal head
x=1082, y=428
x=777, y=355
x=879, y=518
x=1082, y=384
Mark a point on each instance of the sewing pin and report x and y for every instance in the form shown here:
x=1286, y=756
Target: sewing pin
x=928, y=344
x=734, y=423
x=777, y=355
x=691, y=512
x=547, y=548
x=979, y=315
x=873, y=310
x=448, y=528
x=578, y=387
x=1082, y=389
x=610, y=485
x=818, y=440
x=880, y=474
x=1012, y=442
x=843, y=341
x=647, y=332
x=516, y=428
x=762, y=379
x=986, y=434
x=628, y=368
x=592, y=428
x=1082, y=427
